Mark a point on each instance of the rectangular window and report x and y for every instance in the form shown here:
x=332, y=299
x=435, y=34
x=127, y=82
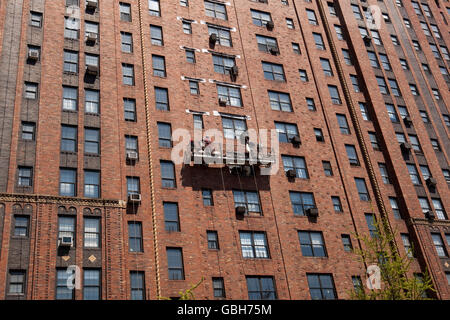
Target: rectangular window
x=28, y=130
x=312, y=244
x=319, y=41
x=352, y=155
x=290, y=23
x=21, y=225
x=362, y=189
x=135, y=236
x=167, y=174
x=311, y=104
x=129, y=107
x=337, y=205
x=346, y=242
x=233, y=127
x=373, y=59
x=91, y=101
x=343, y=124
x=385, y=62
x=66, y=227
x=207, y=197
x=91, y=184
x=382, y=85
x=137, y=281
x=327, y=168
x=156, y=35
x=223, y=64
x=215, y=10
x=261, y=288
x=248, y=199
x=70, y=62
x=126, y=42
x=91, y=284
x=175, y=263
x=260, y=18
x=280, y=101
x=159, y=66
x=70, y=99
x=171, y=217
x=190, y=55
x=394, y=206
x=303, y=75
x=374, y=141
x=311, y=17
x=154, y=8
x=164, y=135
x=439, y=245
x=36, y=19
x=273, y=71
x=267, y=44
x=296, y=163
x=407, y=245
x=91, y=141
x=223, y=35
x=218, y=287
x=232, y=95
x=125, y=11
x=91, y=232
x=162, y=99
x=213, y=240
x=334, y=94
x=254, y=245
x=439, y=209
x=286, y=131
x=25, y=177
x=31, y=90
x=133, y=185
x=355, y=83
x=384, y=173
x=62, y=291
x=301, y=201
x=67, y=182
x=392, y=113
x=128, y=74
x=370, y=220
x=339, y=32
x=347, y=57
x=321, y=287
x=394, y=88
x=71, y=28
x=326, y=66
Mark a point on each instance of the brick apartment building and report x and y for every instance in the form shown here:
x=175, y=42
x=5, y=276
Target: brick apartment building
x=89, y=99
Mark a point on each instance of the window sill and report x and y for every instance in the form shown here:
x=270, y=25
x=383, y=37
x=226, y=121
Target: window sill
x=20, y=237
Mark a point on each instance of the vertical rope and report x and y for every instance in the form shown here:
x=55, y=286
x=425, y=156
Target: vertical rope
x=149, y=153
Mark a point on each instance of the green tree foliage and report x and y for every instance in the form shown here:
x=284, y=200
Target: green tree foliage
x=188, y=294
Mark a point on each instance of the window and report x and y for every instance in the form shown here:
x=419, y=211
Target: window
x=248, y=199
x=233, y=127
x=21, y=225
x=70, y=98
x=67, y=182
x=319, y=135
x=175, y=263
x=364, y=112
x=25, y=178
x=215, y=10
x=187, y=26
x=382, y=85
x=362, y=189
x=137, y=281
x=128, y=74
x=343, y=124
x=446, y=174
x=355, y=83
x=91, y=141
x=62, y=291
x=232, y=95
x=339, y=32
x=303, y=75
x=446, y=119
x=425, y=67
x=218, y=287
x=445, y=52
x=154, y=8
x=435, y=144
x=296, y=48
x=400, y=137
x=356, y=12
x=404, y=64
x=133, y=185
x=435, y=30
x=162, y=99
x=373, y=59
x=91, y=101
x=223, y=35
x=407, y=23
x=156, y=35
x=254, y=245
x=403, y=112
x=311, y=104
x=385, y=62
x=394, y=39
x=413, y=174
x=31, y=90
x=439, y=209
x=311, y=17
x=374, y=141
x=71, y=28
x=184, y=3
x=296, y=163
x=36, y=19
x=28, y=130
x=194, y=88
x=171, y=217
x=190, y=55
x=91, y=28
x=425, y=172
x=424, y=204
x=414, y=90
x=17, y=282
x=301, y=201
x=267, y=44
x=416, y=45
x=439, y=245
x=286, y=131
x=407, y=245
x=91, y=284
x=223, y=64
x=331, y=8
x=326, y=66
x=352, y=155
x=327, y=168
x=394, y=206
x=70, y=61
x=290, y=23
x=337, y=205
x=321, y=287
x=415, y=143
x=376, y=37
x=164, y=135
x=261, y=288
x=135, y=236
x=126, y=42
x=66, y=227
x=91, y=232
x=392, y=113
x=346, y=242
x=370, y=219
x=394, y=87
x=159, y=66
x=334, y=94
x=280, y=101
x=91, y=184
x=384, y=173
x=260, y=18
x=273, y=71
x=436, y=94
x=363, y=32
x=129, y=107
x=347, y=57
x=319, y=41
x=213, y=240
x=125, y=11
x=312, y=244
x=167, y=174
x=207, y=197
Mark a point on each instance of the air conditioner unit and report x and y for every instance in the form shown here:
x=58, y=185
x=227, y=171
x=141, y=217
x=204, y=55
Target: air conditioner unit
x=407, y=120
x=430, y=215
x=134, y=198
x=312, y=212
x=92, y=70
x=270, y=25
x=367, y=40
x=431, y=182
x=406, y=147
x=33, y=55
x=223, y=101
x=274, y=50
x=234, y=71
x=296, y=140
x=241, y=211
x=65, y=241
x=132, y=155
x=213, y=38
x=291, y=173
x=91, y=37
x=246, y=171
x=91, y=4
